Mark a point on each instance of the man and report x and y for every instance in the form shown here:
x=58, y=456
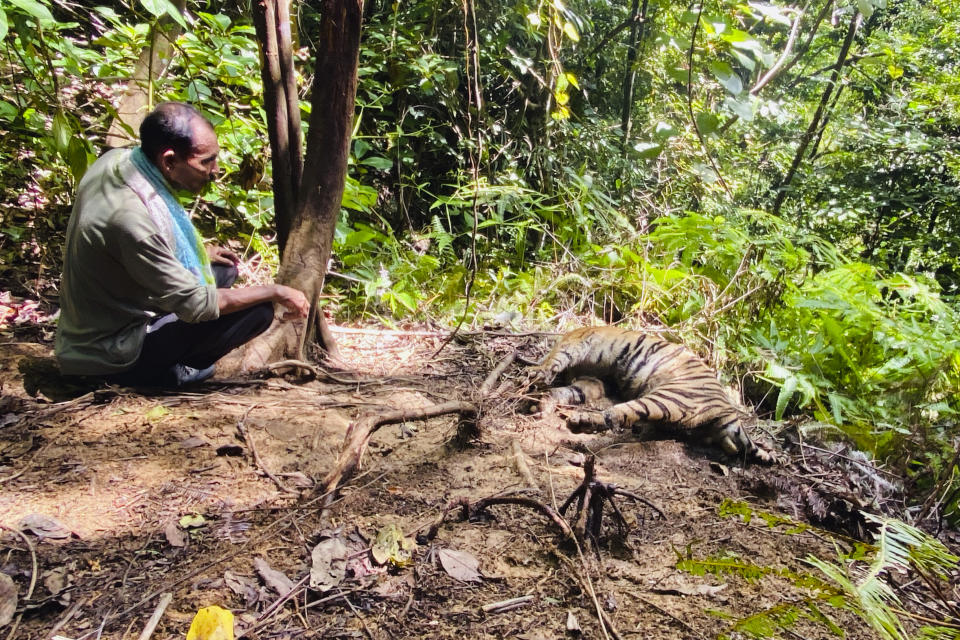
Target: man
x=140, y=302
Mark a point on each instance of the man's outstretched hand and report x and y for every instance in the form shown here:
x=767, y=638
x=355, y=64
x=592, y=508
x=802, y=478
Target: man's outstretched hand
x=296, y=304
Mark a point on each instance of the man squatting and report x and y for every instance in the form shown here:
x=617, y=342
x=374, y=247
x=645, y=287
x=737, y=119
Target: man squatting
x=143, y=303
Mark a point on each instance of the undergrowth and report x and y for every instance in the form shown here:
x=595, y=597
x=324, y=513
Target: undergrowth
x=858, y=581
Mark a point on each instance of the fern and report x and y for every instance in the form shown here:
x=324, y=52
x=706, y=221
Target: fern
x=899, y=547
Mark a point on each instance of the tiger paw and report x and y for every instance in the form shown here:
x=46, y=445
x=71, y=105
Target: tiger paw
x=581, y=421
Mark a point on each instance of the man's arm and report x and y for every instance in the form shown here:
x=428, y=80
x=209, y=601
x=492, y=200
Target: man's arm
x=296, y=304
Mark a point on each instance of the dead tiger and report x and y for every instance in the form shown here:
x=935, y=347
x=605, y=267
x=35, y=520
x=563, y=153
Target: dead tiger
x=657, y=381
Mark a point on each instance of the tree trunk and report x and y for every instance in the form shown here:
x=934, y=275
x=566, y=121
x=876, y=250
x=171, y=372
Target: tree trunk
x=137, y=97
x=308, y=245
x=638, y=19
x=808, y=135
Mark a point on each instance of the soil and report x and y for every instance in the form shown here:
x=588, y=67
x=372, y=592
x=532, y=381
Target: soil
x=126, y=474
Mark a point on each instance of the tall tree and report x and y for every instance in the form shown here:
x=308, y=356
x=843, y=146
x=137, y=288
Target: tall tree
x=307, y=201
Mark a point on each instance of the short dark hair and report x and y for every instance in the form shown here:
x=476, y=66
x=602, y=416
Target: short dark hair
x=169, y=126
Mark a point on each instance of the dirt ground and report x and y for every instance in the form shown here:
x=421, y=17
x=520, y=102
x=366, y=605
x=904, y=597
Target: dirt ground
x=206, y=495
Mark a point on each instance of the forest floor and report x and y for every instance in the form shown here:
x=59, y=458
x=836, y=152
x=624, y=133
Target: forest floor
x=112, y=499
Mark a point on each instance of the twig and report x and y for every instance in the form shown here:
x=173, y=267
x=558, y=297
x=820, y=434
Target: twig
x=273, y=608
x=519, y=460
x=507, y=605
x=242, y=428
x=666, y=613
x=154, y=620
x=491, y=380
x=33, y=576
x=363, y=622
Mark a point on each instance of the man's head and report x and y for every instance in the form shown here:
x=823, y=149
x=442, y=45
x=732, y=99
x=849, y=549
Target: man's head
x=181, y=144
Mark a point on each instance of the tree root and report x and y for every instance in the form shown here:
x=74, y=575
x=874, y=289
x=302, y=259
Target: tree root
x=591, y=496
x=359, y=432
x=470, y=510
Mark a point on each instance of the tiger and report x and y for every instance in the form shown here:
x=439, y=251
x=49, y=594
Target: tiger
x=656, y=380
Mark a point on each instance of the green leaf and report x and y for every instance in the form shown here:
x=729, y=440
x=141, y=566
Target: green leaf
x=648, y=149
x=159, y=8
x=786, y=393
x=742, y=107
x=866, y=8
x=378, y=162
x=571, y=31
x=726, y=76
x=707, y=122
x=679, y=74
x=77, y=158
x=155, y=413
x=193, y=521
x=62, y=132
x=35, y=9
x=3, y=25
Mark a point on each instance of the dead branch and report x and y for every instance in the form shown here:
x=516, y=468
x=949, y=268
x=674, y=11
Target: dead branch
x=154, y=620
x=491, y=379
x=359, y=432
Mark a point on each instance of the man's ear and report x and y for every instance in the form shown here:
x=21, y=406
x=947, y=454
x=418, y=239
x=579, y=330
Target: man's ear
x=166, y=159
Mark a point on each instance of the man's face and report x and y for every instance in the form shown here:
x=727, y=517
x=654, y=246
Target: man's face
x=197, y=169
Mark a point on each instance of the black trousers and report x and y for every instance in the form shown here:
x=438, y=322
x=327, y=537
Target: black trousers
x=170, y=342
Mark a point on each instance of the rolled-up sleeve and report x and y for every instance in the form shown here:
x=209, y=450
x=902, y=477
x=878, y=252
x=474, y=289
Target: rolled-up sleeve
x=168, y=286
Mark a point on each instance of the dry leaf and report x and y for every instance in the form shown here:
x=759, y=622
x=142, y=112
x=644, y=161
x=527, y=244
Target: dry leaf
x=328, y=564
x=242, y=586
x=193, y=442
x=460, y=565
x=16, y=447
x=44, y=527
x=393, y=547
x=276, y=580
x=8, y=599
x=175, y=535
x=55, y=580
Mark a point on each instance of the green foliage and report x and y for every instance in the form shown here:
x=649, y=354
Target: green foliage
x=857, y=582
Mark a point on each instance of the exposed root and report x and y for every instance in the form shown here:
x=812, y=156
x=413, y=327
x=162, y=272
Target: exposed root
x=359, y=432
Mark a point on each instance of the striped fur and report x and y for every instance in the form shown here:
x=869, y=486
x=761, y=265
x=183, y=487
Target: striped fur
x=659, y=381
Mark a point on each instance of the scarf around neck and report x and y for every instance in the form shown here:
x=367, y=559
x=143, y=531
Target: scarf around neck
x=169, y=216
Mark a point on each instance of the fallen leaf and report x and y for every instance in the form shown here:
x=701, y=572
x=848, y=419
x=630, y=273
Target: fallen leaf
x=276, y=580
x=55, y=580
x=211, y=623
x=8, y=599
x=393, y=547
x=328, y=564
x=460, y=565
x=44, y=527
x=242, y=586
x=156, y=413
x=175, y=535
x=192, y=521
x=193, y=442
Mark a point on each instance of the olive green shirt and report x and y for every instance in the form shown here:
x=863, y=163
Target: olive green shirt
x=119, y=273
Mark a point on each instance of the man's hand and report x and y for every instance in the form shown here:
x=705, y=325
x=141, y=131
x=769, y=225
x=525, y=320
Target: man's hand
x=297, y=305
x=222, y=255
